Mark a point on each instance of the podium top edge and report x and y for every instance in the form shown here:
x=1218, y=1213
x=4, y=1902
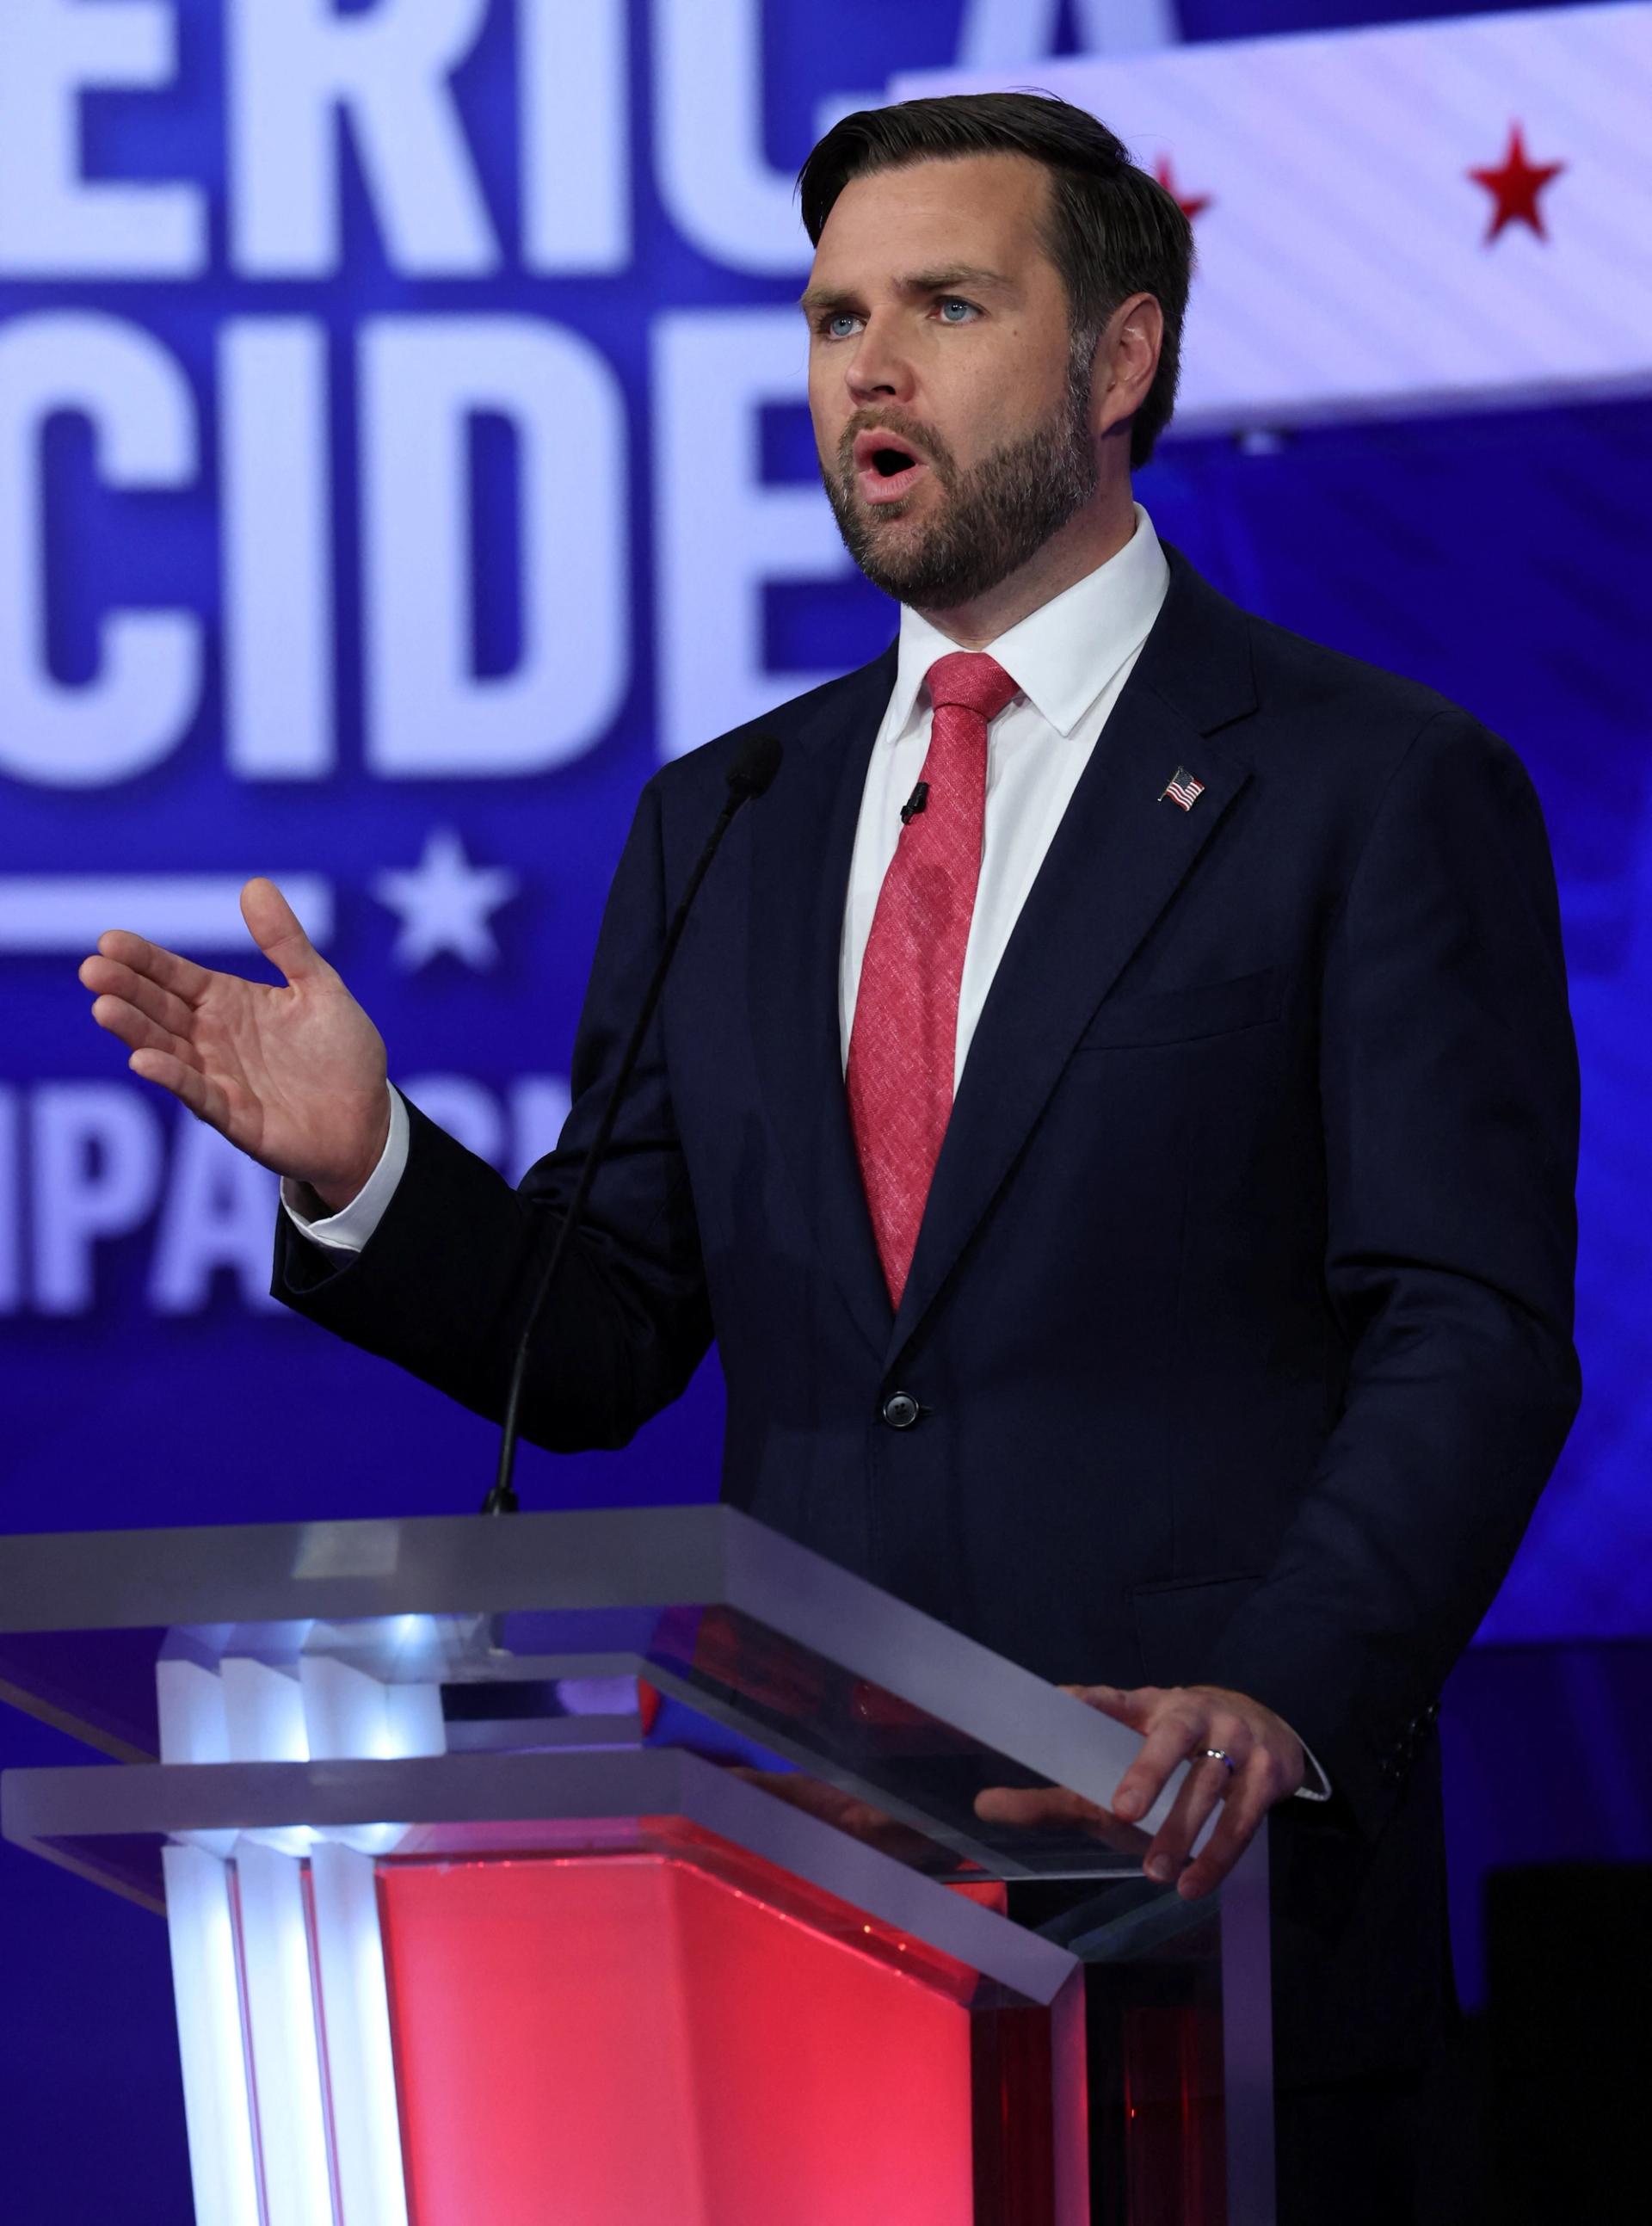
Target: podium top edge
x=398, y=1565
x=92, y=1585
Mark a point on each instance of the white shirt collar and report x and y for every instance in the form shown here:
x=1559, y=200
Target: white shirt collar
x=1062, y=655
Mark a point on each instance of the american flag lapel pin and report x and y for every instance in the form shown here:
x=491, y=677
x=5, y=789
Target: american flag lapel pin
x=1182, y=788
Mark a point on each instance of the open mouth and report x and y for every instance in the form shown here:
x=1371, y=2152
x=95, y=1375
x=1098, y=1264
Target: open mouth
x=885, y=467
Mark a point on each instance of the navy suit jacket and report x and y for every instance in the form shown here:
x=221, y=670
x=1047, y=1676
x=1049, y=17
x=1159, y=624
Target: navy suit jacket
x=1240, y=1318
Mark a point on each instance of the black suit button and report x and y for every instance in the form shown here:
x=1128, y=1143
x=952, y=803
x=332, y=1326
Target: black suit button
x=900, y=1410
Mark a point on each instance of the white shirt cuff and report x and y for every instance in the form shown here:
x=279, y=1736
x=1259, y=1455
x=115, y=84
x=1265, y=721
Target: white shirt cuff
x=1315, y=1786
x=349, y=1230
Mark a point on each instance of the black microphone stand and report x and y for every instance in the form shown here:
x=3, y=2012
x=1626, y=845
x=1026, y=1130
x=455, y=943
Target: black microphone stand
x=753, y=767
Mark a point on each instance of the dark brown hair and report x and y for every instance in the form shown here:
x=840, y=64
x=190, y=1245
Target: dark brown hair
x=1111, y=230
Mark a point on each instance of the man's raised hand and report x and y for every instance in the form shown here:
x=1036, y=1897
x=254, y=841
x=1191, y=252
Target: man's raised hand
x=294, y=1076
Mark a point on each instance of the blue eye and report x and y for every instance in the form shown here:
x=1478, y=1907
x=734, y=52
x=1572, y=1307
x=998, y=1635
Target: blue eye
x=839, y=327
x=951, y=302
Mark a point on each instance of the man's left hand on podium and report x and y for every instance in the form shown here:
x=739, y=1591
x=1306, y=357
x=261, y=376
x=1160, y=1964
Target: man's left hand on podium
x=1197, y=1724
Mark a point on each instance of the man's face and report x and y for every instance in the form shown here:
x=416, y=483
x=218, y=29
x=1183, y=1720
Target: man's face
x=951, y=421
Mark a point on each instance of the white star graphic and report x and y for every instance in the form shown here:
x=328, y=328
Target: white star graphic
x=445, y=903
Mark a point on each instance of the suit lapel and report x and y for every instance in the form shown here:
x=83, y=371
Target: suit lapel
x=1118, y=858
x=802, y=841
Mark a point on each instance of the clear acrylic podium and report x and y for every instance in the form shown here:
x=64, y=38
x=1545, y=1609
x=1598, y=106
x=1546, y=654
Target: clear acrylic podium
x=624, y=1869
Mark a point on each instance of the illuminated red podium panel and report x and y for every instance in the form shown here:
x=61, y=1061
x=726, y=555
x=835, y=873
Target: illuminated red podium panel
x=643, y=1883
x=678, y=2048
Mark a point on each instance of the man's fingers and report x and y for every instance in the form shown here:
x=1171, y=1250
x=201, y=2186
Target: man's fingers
x=1027, y=1805
x=1124, y=1708
x=137, y=1030
x=1250, y=1801
x=274, y=926
x=1206, y=1783
x=1054, y=1808
x=1174, y=1734
x=186, y=1082
x=182, y=976
x=107, y=977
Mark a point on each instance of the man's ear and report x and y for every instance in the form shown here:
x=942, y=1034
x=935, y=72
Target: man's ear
x=1126, y=362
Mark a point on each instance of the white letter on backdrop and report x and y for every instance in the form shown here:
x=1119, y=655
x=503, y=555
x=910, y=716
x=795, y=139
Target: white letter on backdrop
x=575, y=127
x=465, y=1108
x=97, y=1154
x=422, y=381
x=11, y=1219
x=719, y=532
x=277, y=552
x=723, y=195
x=220, y=1208
x=997, y=33
x=296, y=69
x=539, y=1105
x=149, y=676
x=53, y=222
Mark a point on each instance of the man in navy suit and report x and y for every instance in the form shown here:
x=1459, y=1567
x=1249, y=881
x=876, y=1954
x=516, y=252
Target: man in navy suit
x=1114, y=1107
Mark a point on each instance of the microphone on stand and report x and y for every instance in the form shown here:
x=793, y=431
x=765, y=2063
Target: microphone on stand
x=753, y=766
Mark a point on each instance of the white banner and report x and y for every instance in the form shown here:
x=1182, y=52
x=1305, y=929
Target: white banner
x=1440, y=215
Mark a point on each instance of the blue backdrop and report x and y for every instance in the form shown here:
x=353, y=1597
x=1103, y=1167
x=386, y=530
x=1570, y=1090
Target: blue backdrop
x=376, y=505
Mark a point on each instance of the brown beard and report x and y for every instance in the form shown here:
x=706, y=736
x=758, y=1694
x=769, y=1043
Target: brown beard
x=996, y=515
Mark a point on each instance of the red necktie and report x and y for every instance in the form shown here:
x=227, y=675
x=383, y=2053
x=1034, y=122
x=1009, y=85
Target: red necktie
x=903, y=1044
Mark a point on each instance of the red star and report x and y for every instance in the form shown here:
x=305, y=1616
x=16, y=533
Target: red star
x=1189, y=204
x=1516, y=187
